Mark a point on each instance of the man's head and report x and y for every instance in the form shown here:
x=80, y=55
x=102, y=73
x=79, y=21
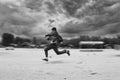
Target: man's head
x=53, y=29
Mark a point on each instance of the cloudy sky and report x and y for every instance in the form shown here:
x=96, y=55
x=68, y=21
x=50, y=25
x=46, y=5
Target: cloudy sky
x=71, y=17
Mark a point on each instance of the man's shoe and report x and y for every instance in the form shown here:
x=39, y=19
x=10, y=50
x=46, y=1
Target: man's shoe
x=45, y=59
x=68, y=52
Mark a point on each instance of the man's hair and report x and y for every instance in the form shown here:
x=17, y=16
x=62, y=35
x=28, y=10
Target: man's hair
x=54, y=28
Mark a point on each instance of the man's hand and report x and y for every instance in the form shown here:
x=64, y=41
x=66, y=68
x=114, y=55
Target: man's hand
x=46, y=35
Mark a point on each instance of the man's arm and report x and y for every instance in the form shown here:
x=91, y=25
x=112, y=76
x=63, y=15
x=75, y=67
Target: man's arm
x=51, y=34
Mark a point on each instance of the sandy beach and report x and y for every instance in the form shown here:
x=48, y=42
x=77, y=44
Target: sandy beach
x=27, y=64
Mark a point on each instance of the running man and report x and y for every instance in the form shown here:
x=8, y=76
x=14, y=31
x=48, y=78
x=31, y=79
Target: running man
x=55, y=40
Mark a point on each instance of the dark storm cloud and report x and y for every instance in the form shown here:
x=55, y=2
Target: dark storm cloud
x=74, y=28
x=71, y=6
x=14, y=16
x=17, y=19
x=72, y=17
x=109, y=29
x=12, y=20
x=100, y=18
x=33, y=4
x=51, y=8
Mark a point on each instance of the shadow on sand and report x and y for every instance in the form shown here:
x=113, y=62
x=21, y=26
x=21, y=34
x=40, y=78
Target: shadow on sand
x=56, y=62
x=117, y=55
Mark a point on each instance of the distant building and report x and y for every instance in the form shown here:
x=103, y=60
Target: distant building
x=91, y=44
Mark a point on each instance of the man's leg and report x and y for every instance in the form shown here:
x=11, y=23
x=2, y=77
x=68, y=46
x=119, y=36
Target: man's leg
x=55, y=48
x=47, y=48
